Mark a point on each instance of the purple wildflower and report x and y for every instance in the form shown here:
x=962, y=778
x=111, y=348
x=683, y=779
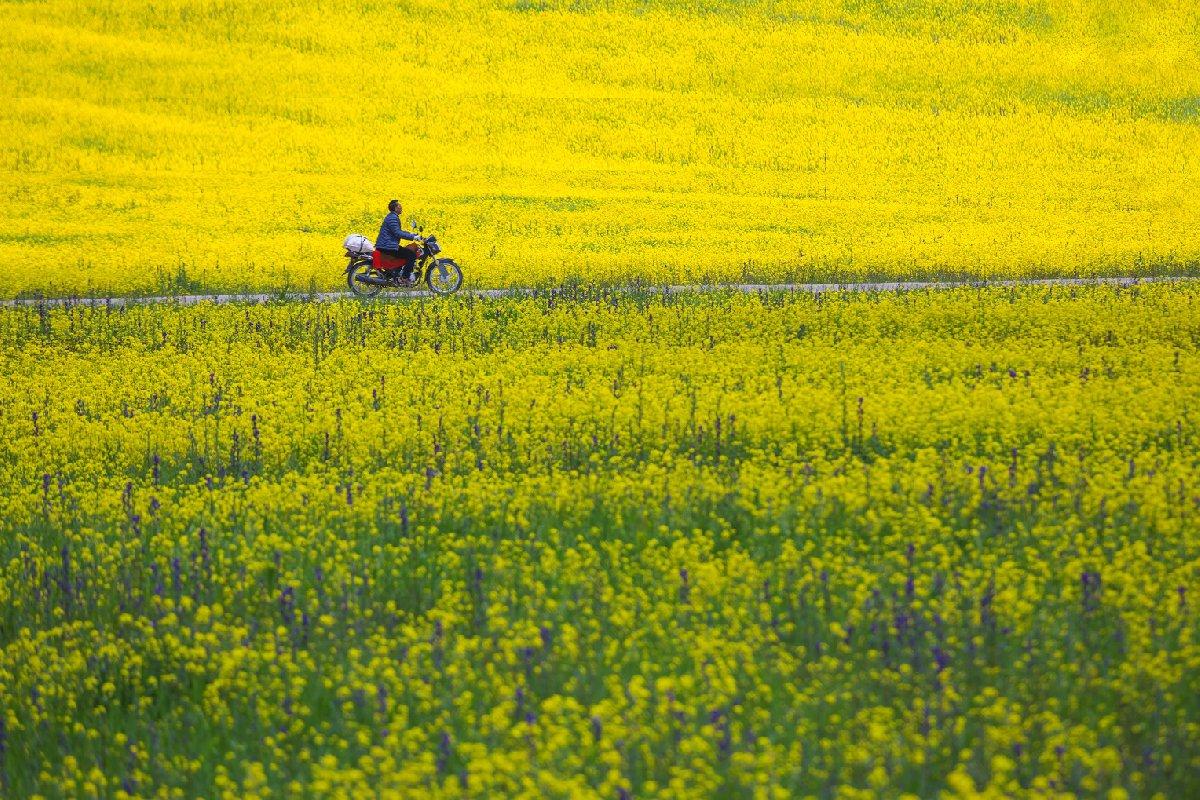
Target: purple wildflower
x=1091, y=590
x=65, y=577
x=444, y=752
x=287, y=606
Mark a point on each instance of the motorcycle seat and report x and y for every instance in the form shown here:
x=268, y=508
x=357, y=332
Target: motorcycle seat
x=384, y=261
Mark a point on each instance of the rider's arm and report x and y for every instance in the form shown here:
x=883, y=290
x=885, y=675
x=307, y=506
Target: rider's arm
x=405, y=234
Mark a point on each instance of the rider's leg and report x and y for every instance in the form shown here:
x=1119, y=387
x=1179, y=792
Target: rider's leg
x=410, y=257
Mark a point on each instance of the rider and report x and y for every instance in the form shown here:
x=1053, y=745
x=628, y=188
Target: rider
x=390, y=235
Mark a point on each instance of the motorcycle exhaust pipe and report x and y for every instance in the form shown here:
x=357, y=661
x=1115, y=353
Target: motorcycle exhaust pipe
x=373, y=280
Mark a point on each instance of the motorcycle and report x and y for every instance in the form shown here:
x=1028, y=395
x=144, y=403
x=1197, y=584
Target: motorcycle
x=369, y=272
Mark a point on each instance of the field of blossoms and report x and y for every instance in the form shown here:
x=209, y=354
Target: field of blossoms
x=590, y=544
x=162, y=146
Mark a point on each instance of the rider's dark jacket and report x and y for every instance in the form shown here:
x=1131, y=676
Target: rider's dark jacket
x=390, y=233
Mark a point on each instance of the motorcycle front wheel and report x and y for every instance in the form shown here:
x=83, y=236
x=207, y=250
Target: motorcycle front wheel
x=364, y=269
x=444, y=277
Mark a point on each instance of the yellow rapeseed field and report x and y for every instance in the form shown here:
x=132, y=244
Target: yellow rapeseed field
x=925, y=545
x=194, y=145
x=588, y=540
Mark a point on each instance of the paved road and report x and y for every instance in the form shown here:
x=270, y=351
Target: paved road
x=750, y=288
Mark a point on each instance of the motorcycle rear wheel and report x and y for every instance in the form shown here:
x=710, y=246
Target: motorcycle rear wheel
x=363, y=268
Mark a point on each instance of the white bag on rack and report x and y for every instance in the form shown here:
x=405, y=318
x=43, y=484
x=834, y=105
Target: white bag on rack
x=358, y=244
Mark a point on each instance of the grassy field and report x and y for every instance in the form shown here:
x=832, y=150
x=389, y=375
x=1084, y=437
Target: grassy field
x=203, y=145
x=942, y=544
